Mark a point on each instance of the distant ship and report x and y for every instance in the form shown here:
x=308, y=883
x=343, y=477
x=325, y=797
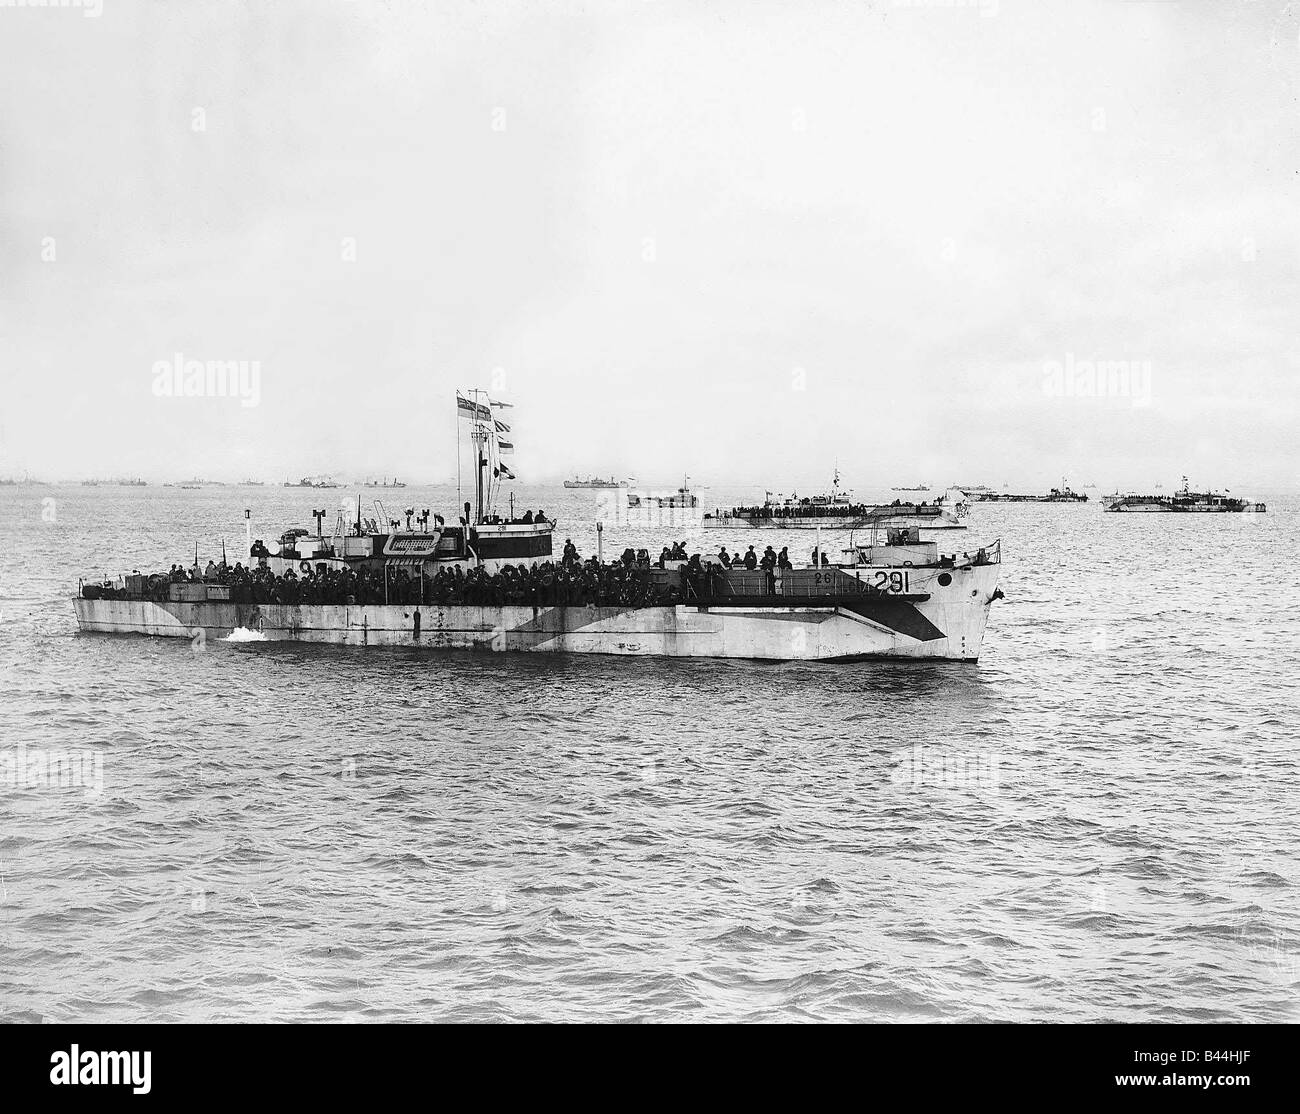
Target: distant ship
x=384, y=483
x=253, y=483
x=837, y=511
x=683, y=497
x=836, y=497
x=1184, y=500
x=315, y=481
x=919, y=487
x=594, y=482
x=1061, y=494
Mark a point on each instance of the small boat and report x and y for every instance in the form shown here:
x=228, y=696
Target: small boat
x=683, y=497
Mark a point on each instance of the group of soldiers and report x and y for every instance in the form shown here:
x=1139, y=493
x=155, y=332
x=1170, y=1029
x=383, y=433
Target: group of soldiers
x=628, y=582
x=631, y=581
x=806, y=509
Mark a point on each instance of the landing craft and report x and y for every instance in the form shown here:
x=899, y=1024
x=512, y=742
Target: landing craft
x=894, y=596
x=836, y=510
x=1184, y=500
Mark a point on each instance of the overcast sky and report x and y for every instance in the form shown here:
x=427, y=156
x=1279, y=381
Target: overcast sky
x=741, y=240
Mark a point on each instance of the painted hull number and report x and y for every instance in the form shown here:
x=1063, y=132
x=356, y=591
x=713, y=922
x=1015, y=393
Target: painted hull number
x=895, y=581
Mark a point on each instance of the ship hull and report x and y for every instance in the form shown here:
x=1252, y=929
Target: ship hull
x=943, y=624
x=1152, y=507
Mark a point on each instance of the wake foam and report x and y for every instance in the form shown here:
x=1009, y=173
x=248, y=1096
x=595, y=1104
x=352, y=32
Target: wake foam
x=243, y=634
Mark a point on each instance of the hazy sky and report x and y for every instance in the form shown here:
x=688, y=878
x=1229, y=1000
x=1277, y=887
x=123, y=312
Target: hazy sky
x=743, y=240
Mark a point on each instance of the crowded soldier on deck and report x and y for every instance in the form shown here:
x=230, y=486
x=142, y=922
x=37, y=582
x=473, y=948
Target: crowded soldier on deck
x=631, y=581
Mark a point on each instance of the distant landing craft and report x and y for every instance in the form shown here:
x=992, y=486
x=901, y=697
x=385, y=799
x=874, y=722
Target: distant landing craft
x=684, y=497
x=1061, y=494
x=1184, y=500
x=315, y=481
x=837, y=511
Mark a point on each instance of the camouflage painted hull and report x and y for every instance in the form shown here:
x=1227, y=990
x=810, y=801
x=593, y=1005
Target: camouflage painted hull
x=946, y=623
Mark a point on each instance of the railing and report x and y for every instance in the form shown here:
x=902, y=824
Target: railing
x=793, y=584
x=856, y=515
x=989, y=554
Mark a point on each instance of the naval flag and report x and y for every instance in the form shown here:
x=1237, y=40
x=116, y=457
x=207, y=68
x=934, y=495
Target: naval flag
x=504, y=447
x=501, y=426
x=474, y=411
x=501, y=470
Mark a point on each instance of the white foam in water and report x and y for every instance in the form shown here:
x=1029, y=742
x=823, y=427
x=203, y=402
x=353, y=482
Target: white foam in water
x=243, y=634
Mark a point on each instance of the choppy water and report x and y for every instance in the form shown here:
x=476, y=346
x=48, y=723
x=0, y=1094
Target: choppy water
x=1101, y=824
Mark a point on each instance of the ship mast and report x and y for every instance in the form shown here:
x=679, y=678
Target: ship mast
x=477, y=408
x=479, y=438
